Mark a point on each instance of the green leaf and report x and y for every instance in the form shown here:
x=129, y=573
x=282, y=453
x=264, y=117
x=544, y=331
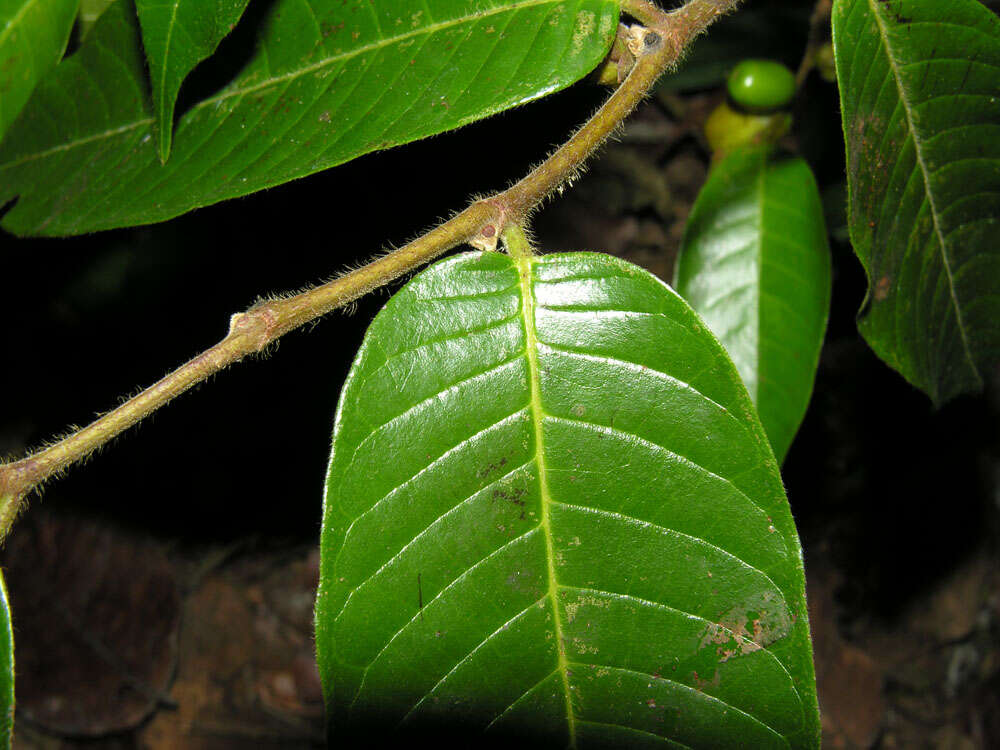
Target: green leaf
x=177, y=35
x=330, y=81
x=755, y=265
x=90, y=11
x=33, y=36
x=6, y=670
x=551, y=511
x=920, y=98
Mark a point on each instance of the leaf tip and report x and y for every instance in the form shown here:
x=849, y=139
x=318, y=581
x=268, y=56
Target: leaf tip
x=164, y=143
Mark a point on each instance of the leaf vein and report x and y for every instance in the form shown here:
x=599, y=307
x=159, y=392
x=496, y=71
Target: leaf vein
x=942, y=248
x=416, y=618
x=666, y=740
x=426, y=528
x=457, y=447
x=521, y=697
x=471, y=653
x=436, y=396
x=624, y=517
x=686, y=688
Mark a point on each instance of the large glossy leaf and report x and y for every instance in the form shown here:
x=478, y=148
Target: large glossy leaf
x=33, y=36
x=920, y=97
x=551, y=512
x=331, y=80
x=6, y=669
x=177, y=35
x=755, y=265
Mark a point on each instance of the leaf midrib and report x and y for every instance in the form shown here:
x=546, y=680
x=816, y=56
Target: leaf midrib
x=290, y=76
x=525, y=267
x=758, y=289
x=925, y=175
x=162, y=88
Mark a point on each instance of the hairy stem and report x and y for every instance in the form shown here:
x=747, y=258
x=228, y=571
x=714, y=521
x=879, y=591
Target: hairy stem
x=656, y=47
x=516, y=242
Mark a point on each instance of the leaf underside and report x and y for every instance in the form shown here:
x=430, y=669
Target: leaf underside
x=551, y=513
x=6, y=670
x=33, y=36
x=755, y=265
x=920, y=97
x=177, y=35
x=331, y=80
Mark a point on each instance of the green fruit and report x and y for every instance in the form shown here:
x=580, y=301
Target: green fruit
x=761, y=85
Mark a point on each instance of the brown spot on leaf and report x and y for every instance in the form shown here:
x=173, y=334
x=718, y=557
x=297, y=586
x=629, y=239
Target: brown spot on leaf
x=882, y=288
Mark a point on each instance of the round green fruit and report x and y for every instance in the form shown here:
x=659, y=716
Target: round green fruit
x=761, y=85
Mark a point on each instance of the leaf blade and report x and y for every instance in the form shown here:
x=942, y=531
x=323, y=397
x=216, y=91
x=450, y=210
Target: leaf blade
x=33, y=36
x=299, y=106
x=177, y=35
x=6, y=669
x=755, y=264
x=923, y=194
x=90, y=11
x=526, y=513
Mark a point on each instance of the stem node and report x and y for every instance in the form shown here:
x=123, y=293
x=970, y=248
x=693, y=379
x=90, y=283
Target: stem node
x=258, y=326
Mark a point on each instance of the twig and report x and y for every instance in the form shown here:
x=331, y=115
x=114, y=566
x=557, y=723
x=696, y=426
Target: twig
x=817, y=25
x=657, y=47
